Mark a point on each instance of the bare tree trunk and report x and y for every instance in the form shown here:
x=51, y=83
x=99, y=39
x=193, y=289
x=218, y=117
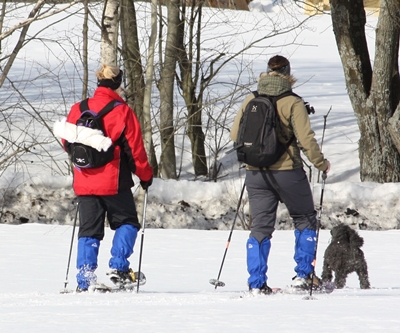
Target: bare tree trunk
x=385, y=92
x=85, y=29
x=146, y=129
x=166, y=87
x=374, y=94
x=149, y=77
x=109, y=33
x=132, y=58
x=197, y=138
x=190, y=73
x=130, y=51
x=2, y=16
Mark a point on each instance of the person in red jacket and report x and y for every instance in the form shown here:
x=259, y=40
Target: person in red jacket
x=106, y=191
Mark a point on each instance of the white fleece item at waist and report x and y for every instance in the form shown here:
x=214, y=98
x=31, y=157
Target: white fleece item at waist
x=81, y=134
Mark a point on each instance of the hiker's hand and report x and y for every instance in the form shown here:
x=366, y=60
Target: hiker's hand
x=146, y=184
x=329, y=166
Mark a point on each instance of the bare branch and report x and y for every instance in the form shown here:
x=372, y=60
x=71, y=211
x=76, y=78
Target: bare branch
x=37, y=7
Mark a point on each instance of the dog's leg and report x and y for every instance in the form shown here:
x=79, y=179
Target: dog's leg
x=362, y=272
x=340, y=279
x=326, y=275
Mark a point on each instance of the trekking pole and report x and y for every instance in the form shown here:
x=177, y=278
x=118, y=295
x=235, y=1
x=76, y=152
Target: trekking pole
x=324, y=175
x=70, y=248
x=142, y=239
x=323, y=134
x=216, y=282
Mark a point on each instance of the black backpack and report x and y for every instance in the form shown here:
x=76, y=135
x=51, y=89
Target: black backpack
x=83, y=156
x=257, y=141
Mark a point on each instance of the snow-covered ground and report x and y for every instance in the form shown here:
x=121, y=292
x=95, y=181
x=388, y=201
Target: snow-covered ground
x=179, y=258
x=178, y=297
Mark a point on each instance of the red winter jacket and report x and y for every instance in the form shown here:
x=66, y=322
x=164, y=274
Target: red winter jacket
x=130, y=156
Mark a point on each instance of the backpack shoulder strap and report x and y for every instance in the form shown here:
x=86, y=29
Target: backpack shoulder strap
x=286, y=93
x=84, y=105
x=274, y=100
x=109, y=107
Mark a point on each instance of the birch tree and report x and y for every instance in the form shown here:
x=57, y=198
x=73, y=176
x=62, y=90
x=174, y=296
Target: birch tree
x=109, y=33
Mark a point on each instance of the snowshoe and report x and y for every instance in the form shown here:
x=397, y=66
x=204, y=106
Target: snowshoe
x=126, y=280
x=304, y=283
x=81, y=290
x=263, y=290
x=302, y=286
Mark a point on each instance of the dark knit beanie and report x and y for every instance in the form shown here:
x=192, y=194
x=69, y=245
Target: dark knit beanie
x=279, y=64
x=113, y=83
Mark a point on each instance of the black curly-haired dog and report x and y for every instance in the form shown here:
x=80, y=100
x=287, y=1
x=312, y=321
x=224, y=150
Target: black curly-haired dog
x=344, y=256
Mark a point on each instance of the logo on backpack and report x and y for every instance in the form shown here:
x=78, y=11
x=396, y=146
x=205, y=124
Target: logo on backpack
x=257, y=141
x=82, y=155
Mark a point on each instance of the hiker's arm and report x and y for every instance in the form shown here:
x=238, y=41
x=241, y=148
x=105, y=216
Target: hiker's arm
x=306, y=136
x=134, y=148
x=235, y=127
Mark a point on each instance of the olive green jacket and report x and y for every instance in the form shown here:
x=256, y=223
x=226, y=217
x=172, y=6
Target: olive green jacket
x=295, y=121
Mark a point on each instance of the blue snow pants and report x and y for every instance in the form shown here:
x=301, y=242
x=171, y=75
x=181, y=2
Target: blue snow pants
x=257, y=261
x=304, y=251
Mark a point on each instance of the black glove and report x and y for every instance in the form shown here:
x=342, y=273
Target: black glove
x=147, y=184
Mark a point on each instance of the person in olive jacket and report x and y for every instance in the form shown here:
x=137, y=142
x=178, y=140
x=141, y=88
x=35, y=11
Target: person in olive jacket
x=106, y=191
x=286, y=180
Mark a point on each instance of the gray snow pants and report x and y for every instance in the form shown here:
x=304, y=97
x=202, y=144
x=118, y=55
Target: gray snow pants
x=294, y=191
